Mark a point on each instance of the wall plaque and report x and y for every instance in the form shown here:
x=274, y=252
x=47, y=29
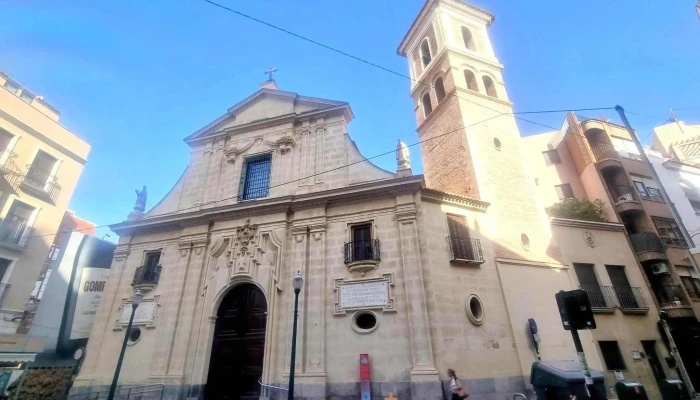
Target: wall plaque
x=146, y=313
x=376, y=293
x=364, y=294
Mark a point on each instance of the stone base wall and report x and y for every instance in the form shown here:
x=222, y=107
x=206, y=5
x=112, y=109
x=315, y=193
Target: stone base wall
x=479, y=389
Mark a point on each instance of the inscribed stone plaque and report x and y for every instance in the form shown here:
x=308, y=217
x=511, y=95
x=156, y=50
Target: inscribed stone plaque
x=364, y=294
x=144, y=313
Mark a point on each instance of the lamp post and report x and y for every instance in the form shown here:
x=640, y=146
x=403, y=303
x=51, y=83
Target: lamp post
x=135, y=301
x=297, y=283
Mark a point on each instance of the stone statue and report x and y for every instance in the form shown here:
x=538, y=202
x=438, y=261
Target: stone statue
x=403, y=162
x=140, y=204
x=402, y=157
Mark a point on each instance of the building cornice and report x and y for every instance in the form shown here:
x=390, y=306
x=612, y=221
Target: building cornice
x=369, y=191
x=445, y=197
x=579, y=223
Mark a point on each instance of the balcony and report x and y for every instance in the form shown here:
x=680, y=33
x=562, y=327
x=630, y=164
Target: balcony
x=672, y=300
x=7, y=158
x=648, y=246
x=465, y=250
x=41, y=184
x=146, y=277
x=626, y=199
x=362, y=255
x=606, y=156
x=15, y=235
x=601, y=298
x=631, y=300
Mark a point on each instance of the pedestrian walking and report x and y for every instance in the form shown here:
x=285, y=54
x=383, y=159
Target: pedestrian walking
x=456, y=388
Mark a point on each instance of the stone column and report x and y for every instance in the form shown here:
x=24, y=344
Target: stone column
x=188, y=302
x=424, y=376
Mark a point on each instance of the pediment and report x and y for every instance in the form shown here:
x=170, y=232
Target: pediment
x=266, y=105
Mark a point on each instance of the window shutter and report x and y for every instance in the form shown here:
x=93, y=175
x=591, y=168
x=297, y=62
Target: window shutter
x=459, y=238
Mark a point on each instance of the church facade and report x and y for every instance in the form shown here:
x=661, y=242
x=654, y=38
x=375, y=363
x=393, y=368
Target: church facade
x=420, y=273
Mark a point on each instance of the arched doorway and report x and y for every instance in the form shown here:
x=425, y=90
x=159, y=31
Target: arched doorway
x=239, y=344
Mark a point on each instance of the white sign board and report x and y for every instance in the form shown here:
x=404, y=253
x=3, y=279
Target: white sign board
x=144, y=313
x=364, y=294
x=92, y=286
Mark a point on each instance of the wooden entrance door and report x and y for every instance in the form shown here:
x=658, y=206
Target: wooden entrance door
x=239, y=343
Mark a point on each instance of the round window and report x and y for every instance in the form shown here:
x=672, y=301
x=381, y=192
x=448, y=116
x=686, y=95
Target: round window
x=134, y=335
x=475, y=309
x=364, y=321
x=497, y=143
x=525, y=241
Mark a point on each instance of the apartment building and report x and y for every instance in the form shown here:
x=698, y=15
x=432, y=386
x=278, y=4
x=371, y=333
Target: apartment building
x=40, y=163
x=596, y=159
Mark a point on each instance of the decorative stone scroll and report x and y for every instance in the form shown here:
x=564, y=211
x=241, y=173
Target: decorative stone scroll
x=364, y=294
x=146, y=313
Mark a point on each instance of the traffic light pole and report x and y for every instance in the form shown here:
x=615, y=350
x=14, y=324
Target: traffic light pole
x=584, y=365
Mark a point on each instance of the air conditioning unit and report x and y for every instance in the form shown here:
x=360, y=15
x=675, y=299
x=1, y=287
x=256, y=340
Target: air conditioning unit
x=625, y=197
x=659, y=268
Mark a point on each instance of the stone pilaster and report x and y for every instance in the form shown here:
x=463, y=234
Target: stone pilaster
x=423, y=369
x=315, y=300
x=300, y=237
x=174, y=277
x=188, y=302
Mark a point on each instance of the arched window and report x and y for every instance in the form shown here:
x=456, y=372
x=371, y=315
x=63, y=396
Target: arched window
x=468, y=38
x=425, y=53
x=489, y=86
x=427, y=106
x=471, y=80
x=439, y=90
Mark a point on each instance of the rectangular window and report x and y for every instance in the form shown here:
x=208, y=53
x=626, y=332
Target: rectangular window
x=460, y=242
x=647, y=187
x=551, y=157
x=26, y=97
x=669, y=231
x=641, y=189
x=621, y=286
x=255, y=179
x=15, y=227
x=649, y=347
x=612, y=355
x=690, y=279
x=626, y=148
x=11, y=86
x=588, y=282
x=564, y=191
x=40, y=170
x=152, y=259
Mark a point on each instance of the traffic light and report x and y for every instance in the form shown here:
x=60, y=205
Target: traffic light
x=575, y=310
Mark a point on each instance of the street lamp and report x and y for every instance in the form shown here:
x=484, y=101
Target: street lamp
x=135, y=301
x=297, y=283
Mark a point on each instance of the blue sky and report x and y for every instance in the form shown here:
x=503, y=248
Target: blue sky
x=135, y=77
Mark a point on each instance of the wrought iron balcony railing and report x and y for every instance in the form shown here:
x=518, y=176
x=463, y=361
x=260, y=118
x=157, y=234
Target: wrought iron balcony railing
x=146, y=276
x=15, y=234
x=624, y=193
x=601, y=297
x=362, y=250
x=672, y=300
x=630, y=298
x=41, y=183
x=7, y=158
x=465, y=250
x=647, y=241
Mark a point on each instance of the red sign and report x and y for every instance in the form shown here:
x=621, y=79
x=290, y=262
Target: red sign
x=364, y=367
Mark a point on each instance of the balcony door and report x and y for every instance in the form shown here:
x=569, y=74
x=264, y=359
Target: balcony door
x=41, y=170
x=459, y=238
x=588, y=281
x=622, y=286
x=15, y=227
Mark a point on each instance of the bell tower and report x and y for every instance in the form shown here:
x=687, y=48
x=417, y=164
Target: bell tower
x=472, y=145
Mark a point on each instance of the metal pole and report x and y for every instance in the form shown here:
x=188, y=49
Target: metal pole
x=584, y=365
x=113, y=388
x=676, y=216
x=290, y=396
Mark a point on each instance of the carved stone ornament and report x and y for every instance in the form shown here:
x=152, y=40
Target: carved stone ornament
x=299, y=238
x=317, y=235
x=589, y=238
x=244, y=236
x=238, y=148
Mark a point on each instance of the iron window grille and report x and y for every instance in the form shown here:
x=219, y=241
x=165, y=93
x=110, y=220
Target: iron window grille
x=255, y=177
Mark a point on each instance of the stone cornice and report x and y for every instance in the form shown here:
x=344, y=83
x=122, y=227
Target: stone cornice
x=579, y=223
x=340, y=196
x=445, y=197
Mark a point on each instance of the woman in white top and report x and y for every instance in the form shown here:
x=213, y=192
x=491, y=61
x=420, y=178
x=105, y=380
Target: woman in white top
x=456, y=387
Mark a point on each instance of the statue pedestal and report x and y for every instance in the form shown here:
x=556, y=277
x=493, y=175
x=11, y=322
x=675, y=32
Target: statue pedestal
x=401, y=172
x=135, y=215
